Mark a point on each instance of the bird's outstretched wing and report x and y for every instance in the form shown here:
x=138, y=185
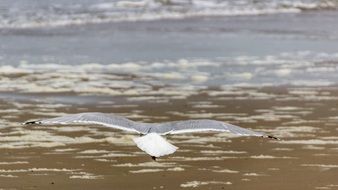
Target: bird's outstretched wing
x=189, y=126
x=174, y=127
x=109, y=120
x=152, y=143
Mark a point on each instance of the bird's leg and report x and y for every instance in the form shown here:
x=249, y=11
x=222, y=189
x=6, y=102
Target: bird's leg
x=153, y=157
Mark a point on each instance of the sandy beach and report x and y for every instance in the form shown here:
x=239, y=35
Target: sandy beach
x=263, y=65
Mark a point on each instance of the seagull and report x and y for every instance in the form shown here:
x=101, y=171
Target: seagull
x=151, y=140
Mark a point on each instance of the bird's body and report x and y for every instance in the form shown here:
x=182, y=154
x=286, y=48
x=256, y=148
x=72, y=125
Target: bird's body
x=152, y=142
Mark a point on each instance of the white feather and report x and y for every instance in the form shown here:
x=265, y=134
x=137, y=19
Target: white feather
x=154, y=145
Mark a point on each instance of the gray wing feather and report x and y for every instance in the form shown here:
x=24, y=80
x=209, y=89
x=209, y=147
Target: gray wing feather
x=109, y=120
x=175, y=127
x=201, y=125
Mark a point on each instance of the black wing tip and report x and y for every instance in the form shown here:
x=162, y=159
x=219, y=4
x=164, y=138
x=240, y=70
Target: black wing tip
x=32, y=122
x=272, y=137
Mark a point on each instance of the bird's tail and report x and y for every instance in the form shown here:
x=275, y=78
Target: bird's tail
x=155, y=145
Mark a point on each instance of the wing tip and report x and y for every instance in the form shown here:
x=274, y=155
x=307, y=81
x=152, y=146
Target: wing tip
x=272, y=137
x=36, y=122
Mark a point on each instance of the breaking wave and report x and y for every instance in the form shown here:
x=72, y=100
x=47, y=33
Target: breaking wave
x=77, y=12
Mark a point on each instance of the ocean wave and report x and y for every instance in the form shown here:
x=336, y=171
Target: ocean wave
x=55, y=15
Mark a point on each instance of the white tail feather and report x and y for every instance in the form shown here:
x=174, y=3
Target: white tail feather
x=154, y=145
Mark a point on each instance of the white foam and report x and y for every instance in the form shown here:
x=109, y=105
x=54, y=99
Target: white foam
x=213, y=152
x=14, y=163
x=226, y=171
x=294, y=131
x=141, y=10
x=105, y=160
x=8, y=175
x=198, y=78
x=312, y=147
x=148, y=164
x=93, y=151
x=146, y=171
x=10, y=70
x=202, y=158
x=177, y=79
x=38, y=170
x=239, y=76
x=109, y=155
x=322, y=166
x=142, y=15
x=86, y=176
x=283, y=149
x=270, y=157
x=310, y=142
x=176, y=169
x=253, y=174
x=283, y=72
x=65, y=150
x=134, y=4
x=194, y=184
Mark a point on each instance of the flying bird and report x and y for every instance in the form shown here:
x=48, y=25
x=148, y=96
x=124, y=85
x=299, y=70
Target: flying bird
x=151, y=140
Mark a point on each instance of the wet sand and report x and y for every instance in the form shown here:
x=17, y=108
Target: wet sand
x=94, y=157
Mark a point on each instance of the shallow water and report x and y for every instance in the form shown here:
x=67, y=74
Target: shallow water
x=96, y=157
